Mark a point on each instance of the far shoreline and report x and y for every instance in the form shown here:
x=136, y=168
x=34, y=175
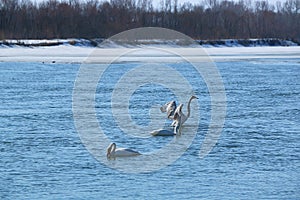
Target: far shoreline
x=81, y=54
x=107, y=43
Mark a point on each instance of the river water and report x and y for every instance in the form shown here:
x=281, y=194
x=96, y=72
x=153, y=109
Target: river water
x=256, y=157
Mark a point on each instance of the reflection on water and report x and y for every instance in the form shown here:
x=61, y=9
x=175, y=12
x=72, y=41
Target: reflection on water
x=257, y=155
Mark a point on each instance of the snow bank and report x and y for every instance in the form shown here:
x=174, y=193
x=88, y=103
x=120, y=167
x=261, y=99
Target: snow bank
x=48, y=54
x=78, y=50
x=79, y=54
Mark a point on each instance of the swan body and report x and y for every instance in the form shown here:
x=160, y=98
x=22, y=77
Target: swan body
x=162, y=132
x=113, y=151
x=178, y=117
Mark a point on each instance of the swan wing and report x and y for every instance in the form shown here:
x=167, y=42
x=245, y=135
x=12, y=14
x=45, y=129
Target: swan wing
x=171, y=108
x=178, y=111
x=168, y=107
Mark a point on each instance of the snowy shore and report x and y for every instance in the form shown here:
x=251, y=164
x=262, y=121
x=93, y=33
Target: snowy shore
x=77, y=51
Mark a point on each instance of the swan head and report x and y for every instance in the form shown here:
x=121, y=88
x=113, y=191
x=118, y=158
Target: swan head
x=194, y=97
x=163, y=109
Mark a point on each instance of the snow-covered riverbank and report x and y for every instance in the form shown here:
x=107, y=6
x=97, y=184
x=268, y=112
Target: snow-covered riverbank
x=77, y=51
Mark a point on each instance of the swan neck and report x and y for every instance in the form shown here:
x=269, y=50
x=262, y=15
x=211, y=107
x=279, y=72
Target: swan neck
x=189, y=107
x=108, y=151
x=113, y=148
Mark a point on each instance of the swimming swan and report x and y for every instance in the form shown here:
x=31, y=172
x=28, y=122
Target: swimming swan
x=112, y=151
x=162, y=132
x=177, y=117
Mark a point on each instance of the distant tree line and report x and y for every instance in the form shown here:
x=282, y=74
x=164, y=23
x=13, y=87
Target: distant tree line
x=210, y=19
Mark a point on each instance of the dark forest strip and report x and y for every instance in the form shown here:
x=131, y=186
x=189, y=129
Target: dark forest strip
x=209, y=20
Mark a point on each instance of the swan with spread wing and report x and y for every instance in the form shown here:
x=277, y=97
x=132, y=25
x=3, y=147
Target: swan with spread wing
x=174, y=113
x=170, y=108
x=177, y=117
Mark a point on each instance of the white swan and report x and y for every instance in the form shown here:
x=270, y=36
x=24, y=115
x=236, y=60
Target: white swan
x=169, y=107
x=183, y=116
x=162, y=132
x=177, y=117
x=112, y=151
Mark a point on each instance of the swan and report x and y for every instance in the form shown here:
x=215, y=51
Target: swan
x=162, y=132
x=171, y=107
x=112, y=151
x=182, y=115
x=177, y=117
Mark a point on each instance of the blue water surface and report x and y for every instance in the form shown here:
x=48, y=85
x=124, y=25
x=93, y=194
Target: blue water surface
x=256, y=157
